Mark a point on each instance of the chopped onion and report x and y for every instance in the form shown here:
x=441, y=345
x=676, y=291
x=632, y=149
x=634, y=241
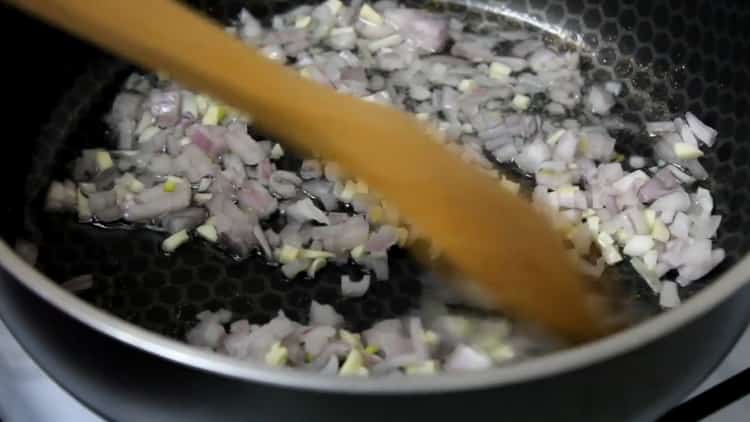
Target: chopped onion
x=304, y=210
x=254, y=196
x=599, y=100
x=706, y=134
x=532, y=156
x=465, y=358
x=324, y=315
x=499, y=71
x=209, y=331
x=521, y=102
x=668, y=296
x=174, y=241
x=613, y=87
x=240, y=143
x=670, y=204
x=638, y=245
x=649, y=276
x=637, y=162
x=208, y=232
x=342, y=38
x=685, y=151
x=351, y=288
x=311, y=169
x=284, y=183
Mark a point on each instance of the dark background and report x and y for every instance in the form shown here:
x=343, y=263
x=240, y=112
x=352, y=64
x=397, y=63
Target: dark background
x=38, y=65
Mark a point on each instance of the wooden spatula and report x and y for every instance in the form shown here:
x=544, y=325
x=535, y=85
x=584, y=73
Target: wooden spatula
x=491, y=236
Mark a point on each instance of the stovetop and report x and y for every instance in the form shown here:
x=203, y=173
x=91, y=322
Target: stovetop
x=27, y=394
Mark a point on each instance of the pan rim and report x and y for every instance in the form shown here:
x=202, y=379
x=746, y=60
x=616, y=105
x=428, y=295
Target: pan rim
x=542, y=367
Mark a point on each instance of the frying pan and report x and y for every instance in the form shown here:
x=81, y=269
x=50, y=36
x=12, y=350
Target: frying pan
x=114, y=347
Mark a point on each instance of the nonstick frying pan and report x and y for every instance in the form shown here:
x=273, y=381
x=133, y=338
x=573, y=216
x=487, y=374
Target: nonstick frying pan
x=113, y=348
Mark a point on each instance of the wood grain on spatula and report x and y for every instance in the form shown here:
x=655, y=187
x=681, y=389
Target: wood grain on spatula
x=491, y=236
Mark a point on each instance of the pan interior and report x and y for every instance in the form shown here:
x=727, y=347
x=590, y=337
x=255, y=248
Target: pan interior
x=669, y=61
